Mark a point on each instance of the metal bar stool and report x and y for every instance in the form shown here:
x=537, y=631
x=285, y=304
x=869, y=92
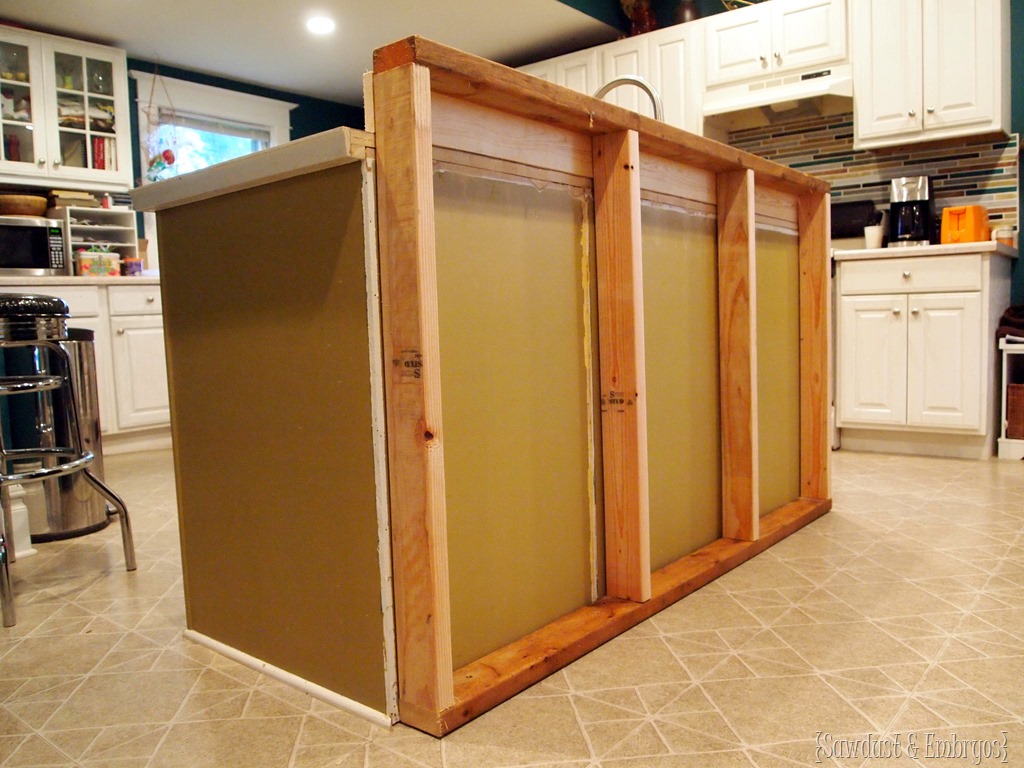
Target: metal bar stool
x=40, y=323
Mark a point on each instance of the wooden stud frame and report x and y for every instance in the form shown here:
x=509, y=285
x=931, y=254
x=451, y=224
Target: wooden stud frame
x=430, y=101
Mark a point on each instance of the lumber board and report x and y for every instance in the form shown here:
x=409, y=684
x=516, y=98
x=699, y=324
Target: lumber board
x=622, y=369
x=487, y=682
x=477, y=80
x=738, y=354
x=462, y=125
x=413, y=392
x=814, y=226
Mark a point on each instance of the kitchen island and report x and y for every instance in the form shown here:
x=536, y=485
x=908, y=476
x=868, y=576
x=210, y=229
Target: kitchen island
x=483, y=385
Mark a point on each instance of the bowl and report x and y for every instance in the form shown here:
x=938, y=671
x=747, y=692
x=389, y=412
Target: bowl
x=22, y=205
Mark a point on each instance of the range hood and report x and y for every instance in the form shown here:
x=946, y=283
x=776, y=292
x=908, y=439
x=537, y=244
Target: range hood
x=828, y=90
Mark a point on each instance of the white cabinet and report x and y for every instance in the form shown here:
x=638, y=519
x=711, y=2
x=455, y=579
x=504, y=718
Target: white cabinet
x=914, y=351
x=671, y=59
x=774, y=38
x=140, y=367
x=676, y=67
x=627, y=57
x=911, y=360
x=929, y=69
x=131, y=372
x=64, y=114
x=579, y=71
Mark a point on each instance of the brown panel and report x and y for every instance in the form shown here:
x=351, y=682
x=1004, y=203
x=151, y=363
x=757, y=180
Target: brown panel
x=778, y=368
x=516, y=388
x=623, y=391
x=269, y=377
x=681, y=353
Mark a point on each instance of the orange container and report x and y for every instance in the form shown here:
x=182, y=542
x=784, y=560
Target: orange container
x=965, y=224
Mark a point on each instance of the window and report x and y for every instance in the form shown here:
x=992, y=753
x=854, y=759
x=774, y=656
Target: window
x=186, y=126
x=181, y=143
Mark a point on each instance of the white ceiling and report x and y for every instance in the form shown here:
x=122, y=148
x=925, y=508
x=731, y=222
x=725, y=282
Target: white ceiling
x=266, y=43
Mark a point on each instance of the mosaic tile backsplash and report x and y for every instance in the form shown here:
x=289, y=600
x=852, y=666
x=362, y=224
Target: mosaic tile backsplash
x=970, y=171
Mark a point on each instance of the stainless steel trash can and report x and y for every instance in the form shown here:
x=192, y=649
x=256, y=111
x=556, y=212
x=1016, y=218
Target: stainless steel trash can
x=73, y=508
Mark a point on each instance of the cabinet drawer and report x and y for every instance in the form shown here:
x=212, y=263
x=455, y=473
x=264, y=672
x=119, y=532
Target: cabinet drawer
x=134, y=299
x=930, y=274
x=83, y=301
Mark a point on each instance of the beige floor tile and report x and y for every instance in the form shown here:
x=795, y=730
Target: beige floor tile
x=143, y=697
x=902, y=608
x=629, y=662
x=831, y=647
x=255, y=743
x=518, y=732
x=766, y=710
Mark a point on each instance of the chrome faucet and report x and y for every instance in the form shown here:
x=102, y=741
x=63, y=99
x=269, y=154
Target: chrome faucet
x=646, y=87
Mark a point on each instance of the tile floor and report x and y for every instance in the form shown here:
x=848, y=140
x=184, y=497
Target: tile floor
x=898, y=617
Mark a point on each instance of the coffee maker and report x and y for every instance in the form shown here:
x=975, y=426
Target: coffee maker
x=911, y=211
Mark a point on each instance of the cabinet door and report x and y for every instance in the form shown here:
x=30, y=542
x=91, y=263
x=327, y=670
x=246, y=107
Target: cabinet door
x=580, y=71
x=807, y=32
x=545, y=70
x=738, y=45
x=675, y=71
x=944, y=376
x=22, y=125
x=140, y=371
x=87, y=104
x=627, y=57
x=960, y=80
x=886, y=59
x=872, y=360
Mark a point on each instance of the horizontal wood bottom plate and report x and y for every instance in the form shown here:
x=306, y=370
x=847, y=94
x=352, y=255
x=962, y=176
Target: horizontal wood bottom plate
x=498, y=676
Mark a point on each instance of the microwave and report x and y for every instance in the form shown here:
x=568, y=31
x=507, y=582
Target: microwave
x=30, y=245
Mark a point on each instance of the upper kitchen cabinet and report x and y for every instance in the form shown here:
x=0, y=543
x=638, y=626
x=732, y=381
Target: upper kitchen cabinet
x=774, y=38
x=670, y=59
x=579, y=71
x=929, y=69
x=64, y=114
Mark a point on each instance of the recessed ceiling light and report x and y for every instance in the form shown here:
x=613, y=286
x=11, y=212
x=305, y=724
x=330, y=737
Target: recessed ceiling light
x=320, y=25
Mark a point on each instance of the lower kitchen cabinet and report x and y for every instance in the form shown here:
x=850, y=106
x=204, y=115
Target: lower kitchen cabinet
x=131, y=371
x=140, y=368
x=916, y=351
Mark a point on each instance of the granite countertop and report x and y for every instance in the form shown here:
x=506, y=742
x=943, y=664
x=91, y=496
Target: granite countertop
x=987, y=246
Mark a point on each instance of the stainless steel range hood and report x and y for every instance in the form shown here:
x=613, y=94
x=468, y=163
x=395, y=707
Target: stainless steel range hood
x=823, y=91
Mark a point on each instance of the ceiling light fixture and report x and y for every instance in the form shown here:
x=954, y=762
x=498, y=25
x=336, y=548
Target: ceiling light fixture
x=320, y=25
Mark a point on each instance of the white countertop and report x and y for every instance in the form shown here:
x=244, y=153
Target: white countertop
x=72, y=280
x=986, y=246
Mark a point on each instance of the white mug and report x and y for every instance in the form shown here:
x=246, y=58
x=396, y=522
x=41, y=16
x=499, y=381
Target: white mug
x=873, y=236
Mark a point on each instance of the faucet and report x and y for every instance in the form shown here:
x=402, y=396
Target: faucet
x=659, y=112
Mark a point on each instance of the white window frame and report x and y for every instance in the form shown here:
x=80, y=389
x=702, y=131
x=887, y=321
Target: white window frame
x=157, y=91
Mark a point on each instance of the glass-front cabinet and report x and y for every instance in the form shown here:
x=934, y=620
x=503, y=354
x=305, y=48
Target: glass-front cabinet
x=64, y=114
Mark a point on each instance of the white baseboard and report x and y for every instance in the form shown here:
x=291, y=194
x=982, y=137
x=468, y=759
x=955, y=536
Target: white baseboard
x=314, y=690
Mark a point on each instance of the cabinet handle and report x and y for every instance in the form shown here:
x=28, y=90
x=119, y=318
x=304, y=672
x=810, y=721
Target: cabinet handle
x=778, y=56
x=120, y=331
x=906, y=274
x=895, y=311
x=150, y=299
x=931, y=110
x=41, y=162
x=764, y=59
x=915, y=311
x=912, y=113
x=56, y=162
